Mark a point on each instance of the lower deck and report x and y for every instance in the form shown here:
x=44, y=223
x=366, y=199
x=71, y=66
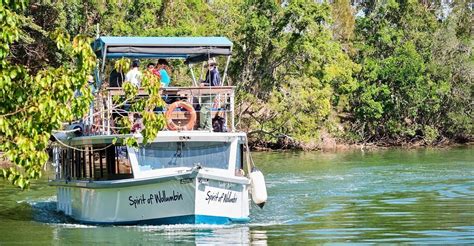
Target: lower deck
x=96, y=158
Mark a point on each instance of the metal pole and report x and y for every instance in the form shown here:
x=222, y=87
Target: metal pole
x=225, y=70
x=104, y=54
x=192, y=74
x=232, y=114
x=109, y=108
x=56, y=161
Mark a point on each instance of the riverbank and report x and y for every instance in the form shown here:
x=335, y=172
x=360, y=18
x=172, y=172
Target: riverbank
x=327, y=143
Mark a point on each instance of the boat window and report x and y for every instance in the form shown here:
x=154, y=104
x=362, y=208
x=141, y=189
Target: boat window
x=183, y=154
x=95, y=163
x=240, y=154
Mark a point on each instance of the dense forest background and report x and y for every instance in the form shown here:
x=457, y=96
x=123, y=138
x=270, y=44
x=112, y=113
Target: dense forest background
x=386, y=72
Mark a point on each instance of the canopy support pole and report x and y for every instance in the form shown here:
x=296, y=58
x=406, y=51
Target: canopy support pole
x=192, y=74
x=103, y=58
x=225, y=70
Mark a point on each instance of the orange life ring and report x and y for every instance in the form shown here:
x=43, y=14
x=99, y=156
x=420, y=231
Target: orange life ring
x=188, y=107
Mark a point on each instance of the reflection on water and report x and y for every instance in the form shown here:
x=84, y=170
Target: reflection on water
x=394, y=196
x=178, y=234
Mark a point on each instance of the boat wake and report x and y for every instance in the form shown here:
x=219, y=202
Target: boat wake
x=44, y=211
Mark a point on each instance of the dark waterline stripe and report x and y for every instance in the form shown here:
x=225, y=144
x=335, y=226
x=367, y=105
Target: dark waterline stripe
x=185, y=219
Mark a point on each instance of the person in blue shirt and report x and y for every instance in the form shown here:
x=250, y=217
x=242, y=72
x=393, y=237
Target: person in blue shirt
x=213, y=77
x=164, y=70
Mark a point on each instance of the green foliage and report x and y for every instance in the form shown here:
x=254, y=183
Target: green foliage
x=33, y=105
x=402, y=72
x=405, y=85
x=344, y=23
x=453, y=65
x=143, y=107
x=297, y=72
x=152, y=122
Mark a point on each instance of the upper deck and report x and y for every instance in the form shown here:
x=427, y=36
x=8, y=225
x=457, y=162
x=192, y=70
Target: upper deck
x=191, y=108
x=212, y=104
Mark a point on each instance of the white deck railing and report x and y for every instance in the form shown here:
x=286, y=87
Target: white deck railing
x=217, y=99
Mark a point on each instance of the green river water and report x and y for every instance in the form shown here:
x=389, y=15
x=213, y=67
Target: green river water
x=423, y=196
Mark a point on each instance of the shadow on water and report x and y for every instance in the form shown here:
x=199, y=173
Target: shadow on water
x=45, y=212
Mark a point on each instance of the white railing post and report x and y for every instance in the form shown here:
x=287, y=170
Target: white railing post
x=232, y=111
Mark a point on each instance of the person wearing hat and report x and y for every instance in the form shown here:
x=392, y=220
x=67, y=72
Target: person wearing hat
x=213, y=77
x=134, y=76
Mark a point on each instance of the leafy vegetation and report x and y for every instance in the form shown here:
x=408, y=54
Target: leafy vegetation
x=409, y=86
x=385, y=72
x=35, y=104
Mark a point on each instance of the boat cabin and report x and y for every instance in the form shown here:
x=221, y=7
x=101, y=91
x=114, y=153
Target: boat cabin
x=106, y=158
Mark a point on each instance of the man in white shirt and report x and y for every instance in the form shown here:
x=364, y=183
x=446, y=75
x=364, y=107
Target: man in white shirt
x=134, y=75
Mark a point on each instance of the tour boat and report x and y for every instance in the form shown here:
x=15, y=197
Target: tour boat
x=184, y=175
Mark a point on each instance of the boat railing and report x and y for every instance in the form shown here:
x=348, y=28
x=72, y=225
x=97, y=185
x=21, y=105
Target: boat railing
x=213, y=106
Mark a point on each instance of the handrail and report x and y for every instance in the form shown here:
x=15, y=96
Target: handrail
x=194, y=90
x=197, y=95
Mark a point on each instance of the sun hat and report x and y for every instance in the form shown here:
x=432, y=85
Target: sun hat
x=212, y=61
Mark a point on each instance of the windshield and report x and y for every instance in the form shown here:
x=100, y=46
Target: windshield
x=183, y=154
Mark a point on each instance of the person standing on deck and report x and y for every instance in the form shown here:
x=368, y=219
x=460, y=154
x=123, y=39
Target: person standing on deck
x=164, y=70
x=212, y=79
x=151, y=68
x=116, y=78
x=134, y=76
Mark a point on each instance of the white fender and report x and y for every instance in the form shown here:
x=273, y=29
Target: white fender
x=258, y=187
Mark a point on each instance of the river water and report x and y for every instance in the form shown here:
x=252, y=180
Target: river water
x=423, y=196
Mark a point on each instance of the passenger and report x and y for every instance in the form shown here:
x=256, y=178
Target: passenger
x=151, y=68
x=212, y=79
x=164, y=71
x=212, y=76
x=116, y=78
x=134, y=76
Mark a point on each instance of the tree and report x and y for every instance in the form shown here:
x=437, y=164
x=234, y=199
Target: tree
x=37, y=101
x=406, y=92
x=344, y=23
x=452, y=63
x=290, y=70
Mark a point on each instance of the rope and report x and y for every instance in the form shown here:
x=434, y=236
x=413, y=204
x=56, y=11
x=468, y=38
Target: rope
x=67, y=131
x=81, y=150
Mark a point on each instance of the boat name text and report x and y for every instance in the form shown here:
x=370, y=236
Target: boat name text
x=154, y=198
x=222, y=197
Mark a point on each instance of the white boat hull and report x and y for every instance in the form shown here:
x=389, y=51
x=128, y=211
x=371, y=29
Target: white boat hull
x=183, y=199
